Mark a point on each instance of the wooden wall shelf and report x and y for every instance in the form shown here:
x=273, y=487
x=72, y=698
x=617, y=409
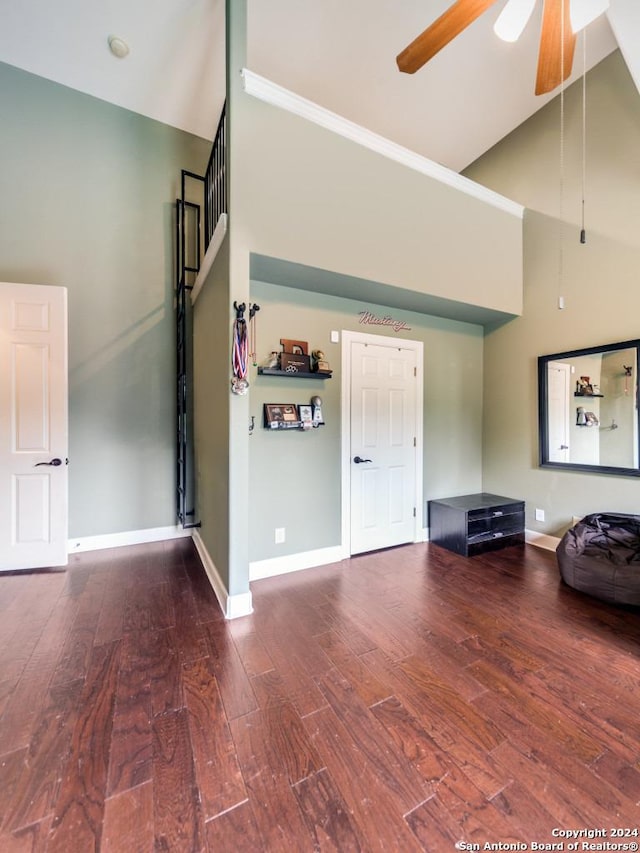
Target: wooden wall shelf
x=274, y=371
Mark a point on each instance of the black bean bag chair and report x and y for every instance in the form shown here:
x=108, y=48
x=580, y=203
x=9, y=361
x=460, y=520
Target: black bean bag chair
x=601, y=556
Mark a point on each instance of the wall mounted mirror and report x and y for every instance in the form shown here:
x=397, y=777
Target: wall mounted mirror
x=588, y=409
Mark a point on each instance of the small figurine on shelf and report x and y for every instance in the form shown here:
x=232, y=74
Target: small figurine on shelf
x=320, y=364
x=271, y=361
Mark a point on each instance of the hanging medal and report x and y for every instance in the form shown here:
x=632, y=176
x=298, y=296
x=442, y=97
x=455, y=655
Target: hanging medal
x=239, y=356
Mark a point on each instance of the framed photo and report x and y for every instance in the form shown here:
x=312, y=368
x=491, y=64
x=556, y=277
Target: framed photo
x=277, y=414
x=273, y=413
x=295, y=347
x=289, y=412
x=305, y=414
x=585, y=386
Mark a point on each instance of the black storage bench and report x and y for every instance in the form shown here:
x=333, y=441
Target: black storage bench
x=473, y=524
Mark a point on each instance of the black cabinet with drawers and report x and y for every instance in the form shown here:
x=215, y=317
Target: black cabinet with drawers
x=472, y=524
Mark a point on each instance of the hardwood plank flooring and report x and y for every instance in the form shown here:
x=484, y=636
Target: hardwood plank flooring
x=406, y=700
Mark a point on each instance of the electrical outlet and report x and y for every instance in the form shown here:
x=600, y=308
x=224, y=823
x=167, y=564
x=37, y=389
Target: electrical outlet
x=539, y=515
x=279, y=535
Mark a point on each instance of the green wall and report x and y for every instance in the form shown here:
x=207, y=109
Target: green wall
x=87, y=192
x=302, y=194
x=212, y=347
x=294, y=477
x=312, y=196
x=598, y=279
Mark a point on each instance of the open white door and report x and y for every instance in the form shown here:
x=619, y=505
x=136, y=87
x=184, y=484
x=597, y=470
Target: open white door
x=385, y=459
x=33, y=426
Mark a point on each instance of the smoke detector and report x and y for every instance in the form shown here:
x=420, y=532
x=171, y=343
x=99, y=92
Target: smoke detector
x=118, y=47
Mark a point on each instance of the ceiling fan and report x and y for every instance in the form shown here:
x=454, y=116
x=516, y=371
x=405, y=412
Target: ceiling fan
x=561, y=21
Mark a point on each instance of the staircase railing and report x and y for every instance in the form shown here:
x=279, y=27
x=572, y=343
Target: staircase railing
x=192, y=241
x=215, y=180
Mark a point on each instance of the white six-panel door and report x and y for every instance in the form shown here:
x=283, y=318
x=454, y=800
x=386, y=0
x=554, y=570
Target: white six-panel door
x=558, y=381
x=385, y=455
x=33, y=426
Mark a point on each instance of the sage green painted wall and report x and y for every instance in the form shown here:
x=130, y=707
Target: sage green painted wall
x=599, y=281
x=311, y=196
x=87, y=192
x=239, y=249
x=299, y=193
x=212, y=345
x=294, y=477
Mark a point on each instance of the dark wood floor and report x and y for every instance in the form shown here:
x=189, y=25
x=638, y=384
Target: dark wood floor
x=402, y=701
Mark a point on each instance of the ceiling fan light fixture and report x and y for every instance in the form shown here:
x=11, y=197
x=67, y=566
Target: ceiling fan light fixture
x=513, y=19
x=583, y=12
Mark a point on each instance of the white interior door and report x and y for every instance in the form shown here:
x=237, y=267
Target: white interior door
x=33, y=426
x=385, y=453
x=558, y=379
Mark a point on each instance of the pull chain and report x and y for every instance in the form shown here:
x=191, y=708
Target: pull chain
x=583, y=233
x=561, y=201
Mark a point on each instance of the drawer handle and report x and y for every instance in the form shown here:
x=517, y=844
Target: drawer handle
x=497, y=513
x=498, y=535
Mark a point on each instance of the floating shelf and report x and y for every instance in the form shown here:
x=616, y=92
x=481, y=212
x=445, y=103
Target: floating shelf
x=588, y=396
x=298, y=374
x=283, y=425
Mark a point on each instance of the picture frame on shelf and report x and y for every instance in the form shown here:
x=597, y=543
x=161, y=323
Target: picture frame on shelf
x=584, y=386
x=294, y=347
x=281, y=415
x=305, y=414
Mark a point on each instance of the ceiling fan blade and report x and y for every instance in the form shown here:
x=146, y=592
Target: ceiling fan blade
x=552, y=55
x=450, y=24
x=513, y=19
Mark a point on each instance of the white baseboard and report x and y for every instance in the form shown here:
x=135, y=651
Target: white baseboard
x=232, y=606
x=128, y=537
x=532, y=537
x=541, y=540
x=261, y=569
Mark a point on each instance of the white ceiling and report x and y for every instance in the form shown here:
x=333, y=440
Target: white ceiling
x=340, y=53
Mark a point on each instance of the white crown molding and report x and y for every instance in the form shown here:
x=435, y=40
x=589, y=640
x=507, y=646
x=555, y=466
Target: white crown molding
x=233, y=606
x=265, y=90
x=128, y=537
x=210, y=255
x=295, y=562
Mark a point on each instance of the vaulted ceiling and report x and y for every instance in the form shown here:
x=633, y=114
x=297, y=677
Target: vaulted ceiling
x=340, y=54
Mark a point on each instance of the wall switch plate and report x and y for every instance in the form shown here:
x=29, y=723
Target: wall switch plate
x=335, y=337
x=539, y=515
x=279, y=535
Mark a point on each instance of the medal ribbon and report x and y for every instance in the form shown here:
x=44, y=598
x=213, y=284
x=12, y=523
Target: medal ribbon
x=240, y=349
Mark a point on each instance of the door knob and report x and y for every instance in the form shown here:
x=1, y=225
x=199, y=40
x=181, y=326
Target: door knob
x=564, y=447
x=357, y=460
x=55, y=462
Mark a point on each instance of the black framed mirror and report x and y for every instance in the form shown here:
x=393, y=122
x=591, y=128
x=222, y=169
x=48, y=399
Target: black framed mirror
x=588, y=417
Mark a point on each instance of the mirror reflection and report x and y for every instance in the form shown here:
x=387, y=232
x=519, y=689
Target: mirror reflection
x=588, y=409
